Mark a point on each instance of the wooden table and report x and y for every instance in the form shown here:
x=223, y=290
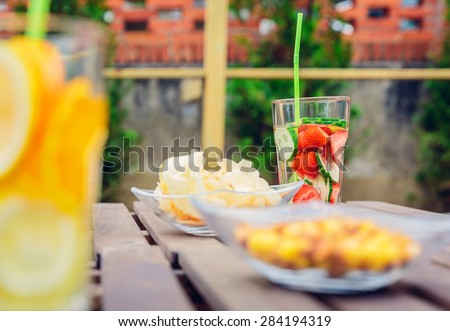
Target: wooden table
x=143, y=263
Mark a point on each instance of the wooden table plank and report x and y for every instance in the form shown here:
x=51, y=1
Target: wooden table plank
x=138, y=277
x=431, y=281
x=113, y=226
x=395, y=209
x=133, y=274
x=388, y=299
x=227, y=283
x=443, y=257
x=170, y=239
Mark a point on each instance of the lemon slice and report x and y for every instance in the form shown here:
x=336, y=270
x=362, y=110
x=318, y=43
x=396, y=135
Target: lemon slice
x=17, y=108
x=42, y=252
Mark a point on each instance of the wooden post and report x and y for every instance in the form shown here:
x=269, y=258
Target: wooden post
x=215, y=65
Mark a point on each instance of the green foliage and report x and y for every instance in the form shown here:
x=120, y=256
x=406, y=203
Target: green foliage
x=249, y=101
x=140, y=3
x=434, y=124
x=66, y=7
x=20, y=7
x=95, y=10
x=114, y=149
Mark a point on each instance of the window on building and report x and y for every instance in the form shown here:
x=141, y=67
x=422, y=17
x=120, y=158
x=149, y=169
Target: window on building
x=244, y=14
x=411, y=3
x=134, y=3
x=342, y=27
x=380, y=12
x=266, y=26
x=136, y=25
x=199, y=25
x=341, y=6
x=407, y=24
x=170, y=14
x=199, y=3
x=109, y=17
x=352, y=22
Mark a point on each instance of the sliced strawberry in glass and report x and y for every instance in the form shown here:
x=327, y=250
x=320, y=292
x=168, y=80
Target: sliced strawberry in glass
x=306, y=193
x=335, y=192
x=337, y=143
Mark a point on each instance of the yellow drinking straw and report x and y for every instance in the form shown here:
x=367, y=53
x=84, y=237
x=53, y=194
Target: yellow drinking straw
x=298, y=36
x=37, y=18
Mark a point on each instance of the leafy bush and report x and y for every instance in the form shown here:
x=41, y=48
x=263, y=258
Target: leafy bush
x=115, y=147
x=434, y=134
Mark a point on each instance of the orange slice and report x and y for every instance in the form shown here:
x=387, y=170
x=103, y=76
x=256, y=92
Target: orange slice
x=75, y=134
x=48, y=71
x=19, y=96
x=47, y=60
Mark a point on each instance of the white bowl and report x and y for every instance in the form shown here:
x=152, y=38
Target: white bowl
x=429, y=233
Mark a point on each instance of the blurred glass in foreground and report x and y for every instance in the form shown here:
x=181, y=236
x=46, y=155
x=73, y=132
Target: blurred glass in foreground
x=53, y=124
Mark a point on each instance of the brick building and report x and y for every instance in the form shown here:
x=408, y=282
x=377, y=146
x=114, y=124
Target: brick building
x=161, y=31
x=171, y=31
x=380, y=30
x=392, y=30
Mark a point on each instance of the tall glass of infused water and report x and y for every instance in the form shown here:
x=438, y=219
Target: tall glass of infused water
x=310, y=136
x=53, y=125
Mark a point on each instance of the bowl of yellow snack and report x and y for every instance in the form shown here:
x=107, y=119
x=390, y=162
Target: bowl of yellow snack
x=223, y=183
x=322, y=248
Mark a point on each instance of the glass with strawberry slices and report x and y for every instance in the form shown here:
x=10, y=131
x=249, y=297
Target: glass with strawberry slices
x=310, y=139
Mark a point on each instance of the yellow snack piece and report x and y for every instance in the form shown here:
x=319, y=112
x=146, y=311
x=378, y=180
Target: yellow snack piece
x=291, y=253
x=263, y=244
x=351, y=254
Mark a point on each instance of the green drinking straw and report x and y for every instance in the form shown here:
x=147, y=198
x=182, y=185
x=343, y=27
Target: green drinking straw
x=37, y=17
x=298, y=36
